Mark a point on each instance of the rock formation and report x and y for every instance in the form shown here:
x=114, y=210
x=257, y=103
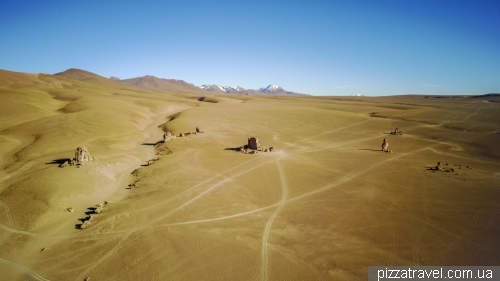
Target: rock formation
x=385, y=146
x=252, y=147
x=438, y=167
x=253, y=143
x=168, y=136
x=82, y=156
x=152, y=161
x=397, y=131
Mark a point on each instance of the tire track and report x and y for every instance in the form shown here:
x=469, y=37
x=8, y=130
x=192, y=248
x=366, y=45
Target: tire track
x=25, y=269
x=264, y=270
x=7, y=211
x=103, y=258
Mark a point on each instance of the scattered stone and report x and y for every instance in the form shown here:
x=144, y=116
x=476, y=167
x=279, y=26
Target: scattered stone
x=86, y=279
x=181, y=135
x=43, y=249
x=71, y=210
x=271, y=149
x=64, y=165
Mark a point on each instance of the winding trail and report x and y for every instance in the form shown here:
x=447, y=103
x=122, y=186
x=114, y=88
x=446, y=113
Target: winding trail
x=264, y=269
x=25, y=269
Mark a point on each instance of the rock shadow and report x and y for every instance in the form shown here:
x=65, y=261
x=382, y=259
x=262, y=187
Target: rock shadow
x=153, y=143
x=59, y=161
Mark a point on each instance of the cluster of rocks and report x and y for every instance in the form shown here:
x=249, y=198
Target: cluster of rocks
x=385, y=143
x=87, y=221
x=161, y=149
x=135, y=173
x=152, y=161
x=445, y=168
x=253, y=147
x=168, y=136
x=397, y=131
x=198, y=131
x=82, y=157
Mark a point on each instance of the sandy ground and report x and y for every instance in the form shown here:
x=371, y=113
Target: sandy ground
x=324, y=205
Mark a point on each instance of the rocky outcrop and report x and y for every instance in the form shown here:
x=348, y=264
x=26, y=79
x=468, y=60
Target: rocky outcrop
x=253, y=143
x=152, y=161
x=253, y=146
x=397, y=131
x=197, y=131
x=87, y=221
x=385, y=146
x=82, y=156
x=168, y=136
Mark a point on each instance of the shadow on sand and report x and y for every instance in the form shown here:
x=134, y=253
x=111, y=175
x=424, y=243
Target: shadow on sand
x=153, y=143
x=59, y=161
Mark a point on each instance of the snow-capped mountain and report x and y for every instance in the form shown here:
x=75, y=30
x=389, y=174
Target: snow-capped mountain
x=271, y=90
x=222, y=89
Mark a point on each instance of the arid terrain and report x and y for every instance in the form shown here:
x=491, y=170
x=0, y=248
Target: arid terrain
x=325, y=204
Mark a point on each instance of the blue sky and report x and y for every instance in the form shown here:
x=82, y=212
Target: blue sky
x=314, y=47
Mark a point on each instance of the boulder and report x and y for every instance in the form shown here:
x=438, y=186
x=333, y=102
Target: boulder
x=253, y=143
x=82, y=155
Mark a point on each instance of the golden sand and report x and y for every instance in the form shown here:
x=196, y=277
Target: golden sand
x=324, y=205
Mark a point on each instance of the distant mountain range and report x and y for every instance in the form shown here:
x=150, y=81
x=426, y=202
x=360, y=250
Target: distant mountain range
x=161, y=84
x=271, y=90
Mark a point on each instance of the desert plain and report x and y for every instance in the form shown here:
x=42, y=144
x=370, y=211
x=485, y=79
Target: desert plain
x=325, y=204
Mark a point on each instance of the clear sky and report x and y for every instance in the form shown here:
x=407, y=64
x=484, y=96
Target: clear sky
x=315, y=47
